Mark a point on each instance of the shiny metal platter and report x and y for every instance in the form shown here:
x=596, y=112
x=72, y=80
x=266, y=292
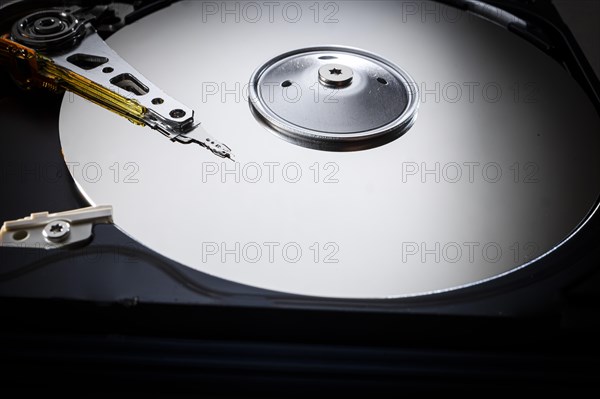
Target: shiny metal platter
x=497, y=169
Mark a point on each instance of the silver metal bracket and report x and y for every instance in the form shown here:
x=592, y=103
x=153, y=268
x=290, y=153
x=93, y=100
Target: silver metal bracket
x=54, y=230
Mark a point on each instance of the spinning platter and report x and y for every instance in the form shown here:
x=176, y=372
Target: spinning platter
x=456, y=152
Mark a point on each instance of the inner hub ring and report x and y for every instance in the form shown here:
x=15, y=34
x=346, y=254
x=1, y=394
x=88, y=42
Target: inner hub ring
x=334, y=98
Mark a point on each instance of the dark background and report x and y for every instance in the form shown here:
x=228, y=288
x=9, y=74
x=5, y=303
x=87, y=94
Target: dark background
x=583, y=18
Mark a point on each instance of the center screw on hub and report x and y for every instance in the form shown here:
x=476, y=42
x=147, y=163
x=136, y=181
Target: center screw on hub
x=335, y=75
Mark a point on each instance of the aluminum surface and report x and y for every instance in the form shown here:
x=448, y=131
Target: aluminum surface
x=501, y=159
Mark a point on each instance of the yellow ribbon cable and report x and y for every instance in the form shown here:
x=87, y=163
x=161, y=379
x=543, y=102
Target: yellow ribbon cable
x=31, y=69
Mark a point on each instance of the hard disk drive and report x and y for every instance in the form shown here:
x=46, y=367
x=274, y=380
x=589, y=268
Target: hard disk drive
x=363, y=195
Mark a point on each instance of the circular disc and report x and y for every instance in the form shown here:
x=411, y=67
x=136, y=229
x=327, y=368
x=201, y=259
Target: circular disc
x=499, y=168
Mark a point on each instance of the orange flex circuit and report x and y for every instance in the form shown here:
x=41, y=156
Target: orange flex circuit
x=31, y=69
x=23, y=64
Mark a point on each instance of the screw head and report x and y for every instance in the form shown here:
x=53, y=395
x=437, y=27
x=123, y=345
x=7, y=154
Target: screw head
x=335, y=75
x=57, y=230
x=177, y=113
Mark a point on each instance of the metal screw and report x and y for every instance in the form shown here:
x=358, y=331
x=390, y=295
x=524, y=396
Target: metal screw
x=335, y=75
x=177, y=113
x=57, y=230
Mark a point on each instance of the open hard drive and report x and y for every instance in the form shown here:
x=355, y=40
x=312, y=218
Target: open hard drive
x=360, y=187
